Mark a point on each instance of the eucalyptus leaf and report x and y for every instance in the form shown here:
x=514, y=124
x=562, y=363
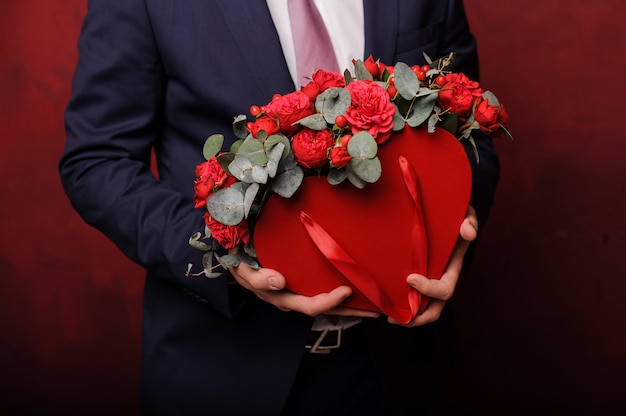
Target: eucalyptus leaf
x=207, y=264
x=225, y=159
x=347, y=77
x=354, y=179
x=234, y=148
x=249, y=261
x=333, y=102
x=259, y=174
x=212, y=145
x=362, y=146
x=398, y=121
x=406, y=81
x=226, y=206
x=241, y=168
x=253, y=150
x=491, y=98
x=288, y=182
x=240, y=126
x=361, y=71
x=194, y=241
x=274, y=156
x=314, y=122
x=249, y=197
x=450, y=122
x=368, y=170
x=336, y=176
x=278, y=138
x=422, y=109
x=229, y=260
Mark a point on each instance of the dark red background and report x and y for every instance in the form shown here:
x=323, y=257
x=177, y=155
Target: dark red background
x=541, y=317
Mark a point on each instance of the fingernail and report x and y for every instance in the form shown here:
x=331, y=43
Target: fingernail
x=272, y=282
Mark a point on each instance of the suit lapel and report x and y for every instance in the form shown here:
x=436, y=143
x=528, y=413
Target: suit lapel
x=381, y=29
x=258, y=43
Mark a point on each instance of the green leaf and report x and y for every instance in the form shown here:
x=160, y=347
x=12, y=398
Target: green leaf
x=212, y=145
x=422, y=109
x=347, y=77
x=234, y=148
x=207, y=264
x=354, y=179
x=287, y=183
x=336, y=176
x=225, y=160
x=253, y=150
x=275, y=139
x=405, y=81
x=274, y=157
x=229, y=260
x=240, y=126
x=314, y=122
x=249, y=197
x=241, y=168
x=398, y=121
x=333, y=102
x=362, y=146
x=361, y=71
x=259, y=174
x=226, y=205
x=194, y=241
x=450, y=122
x=491, y=98
x=368, y=170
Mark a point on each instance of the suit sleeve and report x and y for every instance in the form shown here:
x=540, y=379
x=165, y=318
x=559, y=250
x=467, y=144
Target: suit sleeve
x=485, y=170
x=112, y=124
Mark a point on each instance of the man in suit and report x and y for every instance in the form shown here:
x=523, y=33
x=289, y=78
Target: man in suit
x=160, y=75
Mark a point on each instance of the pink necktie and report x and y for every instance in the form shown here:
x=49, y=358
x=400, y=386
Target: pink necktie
x=314, y=49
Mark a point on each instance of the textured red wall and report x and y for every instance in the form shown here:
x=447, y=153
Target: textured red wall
x=540, y=316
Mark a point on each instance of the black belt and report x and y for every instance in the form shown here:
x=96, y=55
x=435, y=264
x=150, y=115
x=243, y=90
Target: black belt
x=323, y=342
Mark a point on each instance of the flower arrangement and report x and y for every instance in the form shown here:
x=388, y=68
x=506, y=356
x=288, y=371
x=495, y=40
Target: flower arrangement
x=332, y=126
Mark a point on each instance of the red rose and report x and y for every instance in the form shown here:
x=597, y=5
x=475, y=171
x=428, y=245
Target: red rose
x=312, y=90
x=339, y=156
x=371, y=110
x=228, y=236
x=373, y=67
x=321, y=81
x=458, y=94
x=263, y=123
x=490, y=117
x=310, y=147
x=209, y=178
x=289, y=108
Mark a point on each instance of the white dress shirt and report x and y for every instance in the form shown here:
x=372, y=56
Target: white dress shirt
x=344, y=20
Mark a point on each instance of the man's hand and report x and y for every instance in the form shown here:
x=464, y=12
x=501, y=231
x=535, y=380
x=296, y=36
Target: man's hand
x=441, y=290
x=269, y=285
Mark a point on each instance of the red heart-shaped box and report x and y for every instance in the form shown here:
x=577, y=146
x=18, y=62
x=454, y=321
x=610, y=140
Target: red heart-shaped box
x=376, y=236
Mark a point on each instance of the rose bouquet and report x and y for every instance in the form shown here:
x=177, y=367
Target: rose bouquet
x=333, y=127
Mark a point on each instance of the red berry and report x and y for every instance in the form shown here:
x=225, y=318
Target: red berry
x=425, y=68
x=440, y=80
x=255, y=110
x=341, y=121
x=421, y=75
x=345, y=139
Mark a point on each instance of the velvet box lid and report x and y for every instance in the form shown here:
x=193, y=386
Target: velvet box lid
x=371, y=239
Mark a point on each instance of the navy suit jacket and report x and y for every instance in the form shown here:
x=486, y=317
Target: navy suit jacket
x=162, y=75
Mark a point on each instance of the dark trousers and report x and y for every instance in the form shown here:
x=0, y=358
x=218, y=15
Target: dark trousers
x=406, y=378
x=342, y=382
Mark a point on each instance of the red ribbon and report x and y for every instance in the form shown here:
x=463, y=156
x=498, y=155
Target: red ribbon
x=359, y=276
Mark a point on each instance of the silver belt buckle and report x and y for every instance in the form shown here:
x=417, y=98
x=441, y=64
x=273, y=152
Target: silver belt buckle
x=316, y=348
